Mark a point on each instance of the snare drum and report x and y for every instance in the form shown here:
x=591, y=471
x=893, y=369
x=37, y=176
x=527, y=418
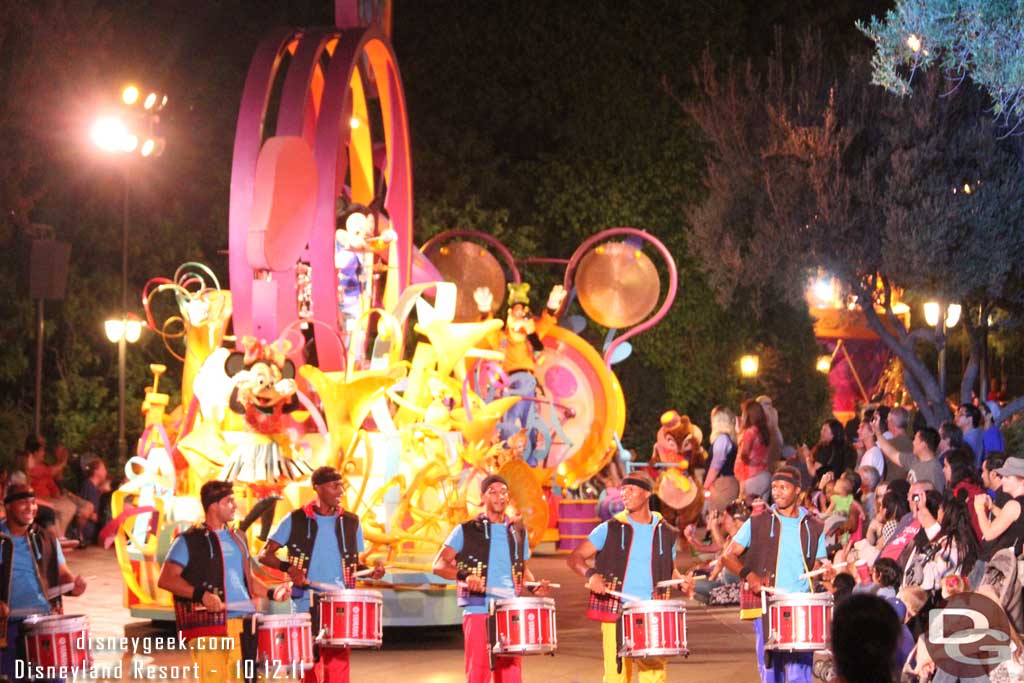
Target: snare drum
x=285, y=639
x=799, y=622
x=653, y=628
x=55, y=640
x=352, y=618
x=525, y=626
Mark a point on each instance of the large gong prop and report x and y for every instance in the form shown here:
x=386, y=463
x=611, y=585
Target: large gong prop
x=469, y=266
x=617, y=284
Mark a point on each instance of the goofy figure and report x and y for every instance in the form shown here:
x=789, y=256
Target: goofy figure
x=519, y=341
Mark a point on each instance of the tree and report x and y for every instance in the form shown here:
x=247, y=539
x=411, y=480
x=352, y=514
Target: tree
x=980, y=39
x=812, y=168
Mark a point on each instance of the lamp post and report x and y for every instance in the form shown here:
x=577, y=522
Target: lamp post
x=131, y=131
x=942, y=318
x=122, y=331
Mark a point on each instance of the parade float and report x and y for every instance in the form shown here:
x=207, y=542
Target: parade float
x=338, y=342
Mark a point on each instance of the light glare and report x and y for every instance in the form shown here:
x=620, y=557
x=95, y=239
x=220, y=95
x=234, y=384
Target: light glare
x=130, y=95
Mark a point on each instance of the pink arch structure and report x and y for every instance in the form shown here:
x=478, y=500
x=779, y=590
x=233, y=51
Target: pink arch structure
x=316, y=79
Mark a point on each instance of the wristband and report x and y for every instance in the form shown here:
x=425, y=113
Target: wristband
x=197, y=594
x=746, y=571
x=284, y=566
x=462, y=574
x=270, y=593
x=590, y=572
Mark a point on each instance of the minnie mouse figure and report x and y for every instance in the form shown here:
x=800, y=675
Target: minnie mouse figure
x=264, y=392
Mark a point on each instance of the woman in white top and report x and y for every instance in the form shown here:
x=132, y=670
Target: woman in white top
x=872, y=454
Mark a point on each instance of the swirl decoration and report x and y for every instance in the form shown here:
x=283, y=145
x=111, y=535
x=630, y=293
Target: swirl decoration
x=191, y=285
x=670, y=295
x=328, y=79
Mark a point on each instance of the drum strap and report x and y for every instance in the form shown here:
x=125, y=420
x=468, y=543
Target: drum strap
x=492, y=634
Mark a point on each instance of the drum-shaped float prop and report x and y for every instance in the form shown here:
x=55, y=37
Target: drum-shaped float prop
x=469, y=266
x=617, y=284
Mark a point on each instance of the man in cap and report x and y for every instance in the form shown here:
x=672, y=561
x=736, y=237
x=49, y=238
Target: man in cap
x=209, y=572
x=635, y=551
x=487, y=556
x=32, y=572
x=323, y=543
x=774, y=550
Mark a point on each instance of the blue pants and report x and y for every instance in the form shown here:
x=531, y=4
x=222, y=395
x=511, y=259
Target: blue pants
x=787, y=667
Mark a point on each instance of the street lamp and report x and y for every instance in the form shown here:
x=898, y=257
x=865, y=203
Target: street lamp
x=120, y=134
x=933, y=315
x=122, y=331
x=749, y=364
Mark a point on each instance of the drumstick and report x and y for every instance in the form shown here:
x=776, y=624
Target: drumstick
x=671, y=582
x=536, y=584
x=60, y=590
x=817, y=572
x=770, y=589
x=365, y=572
x=622, y=596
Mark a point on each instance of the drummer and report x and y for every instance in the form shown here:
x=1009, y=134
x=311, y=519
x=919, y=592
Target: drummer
x=30, y=580
x=323, y=544
x=487, y=556
x=775, y=550
x=634, y=551
x=208, y=571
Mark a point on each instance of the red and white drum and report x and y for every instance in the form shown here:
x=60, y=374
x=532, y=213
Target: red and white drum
x=285, y=639
x=352, y=618
x=653, y=628
x=525, y=626
x=799, y=622
x=56, y=641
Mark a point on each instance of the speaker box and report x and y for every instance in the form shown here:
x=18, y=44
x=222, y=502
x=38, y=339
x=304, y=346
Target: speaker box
x=48, y=269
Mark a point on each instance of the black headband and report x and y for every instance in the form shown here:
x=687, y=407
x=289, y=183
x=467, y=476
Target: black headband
x=637, y=481
x=20, y=495
x=788, y=477
x=325, y=475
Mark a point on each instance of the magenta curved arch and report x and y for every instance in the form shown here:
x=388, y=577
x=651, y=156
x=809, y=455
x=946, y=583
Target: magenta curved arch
x=264, y=310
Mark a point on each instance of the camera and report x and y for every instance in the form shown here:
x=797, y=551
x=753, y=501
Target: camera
x=916, y=498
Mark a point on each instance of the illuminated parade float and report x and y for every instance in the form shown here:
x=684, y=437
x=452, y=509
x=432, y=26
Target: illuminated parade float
x=415, y=372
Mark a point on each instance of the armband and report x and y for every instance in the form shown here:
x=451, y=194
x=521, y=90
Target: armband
x=284, y=566
x=462, y=574
x=590, y=572
x=197, y=594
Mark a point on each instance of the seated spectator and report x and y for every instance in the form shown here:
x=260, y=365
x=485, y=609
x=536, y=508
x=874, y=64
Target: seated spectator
x=722, y=526
x=965, y=482
x=993, y=482
x=43, y=480
x=1004, y=529
x=922, y=461
x=946, y=546
x=992, y=438
x=865, y=635
x=96, y=483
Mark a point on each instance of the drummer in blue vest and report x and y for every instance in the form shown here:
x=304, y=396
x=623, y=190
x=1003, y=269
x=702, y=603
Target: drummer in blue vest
x=487, y=556
x=635, y=551
x=323, y=543
x=774, y=550
x=32, y=573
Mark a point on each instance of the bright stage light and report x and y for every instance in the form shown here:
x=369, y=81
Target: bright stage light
x=109, y=133
x=824, y=364
x=130, y=95
x=931, y=313
x=150, y=101
x=147, y=147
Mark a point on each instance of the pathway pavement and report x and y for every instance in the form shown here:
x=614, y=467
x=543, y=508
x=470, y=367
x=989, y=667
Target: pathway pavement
x=721, y=646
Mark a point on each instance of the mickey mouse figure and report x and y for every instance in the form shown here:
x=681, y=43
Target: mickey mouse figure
x=265, y=390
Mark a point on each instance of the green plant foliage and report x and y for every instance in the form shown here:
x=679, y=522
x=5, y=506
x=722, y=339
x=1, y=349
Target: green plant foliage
x=979, y=39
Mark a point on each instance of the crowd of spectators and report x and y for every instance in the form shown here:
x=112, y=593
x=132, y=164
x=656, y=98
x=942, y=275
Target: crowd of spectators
x=912, y=516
